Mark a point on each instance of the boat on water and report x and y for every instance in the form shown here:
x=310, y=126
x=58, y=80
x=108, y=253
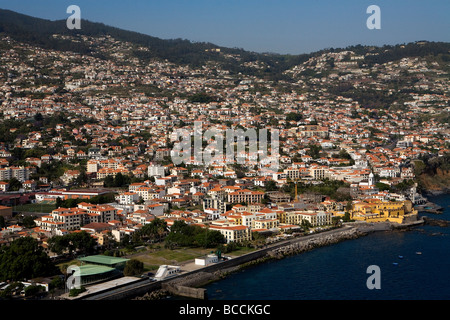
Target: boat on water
x=395, y=263
x=400, y=257
x=418, y=252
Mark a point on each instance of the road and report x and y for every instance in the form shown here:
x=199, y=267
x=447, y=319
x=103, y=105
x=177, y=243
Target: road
x=190, y=267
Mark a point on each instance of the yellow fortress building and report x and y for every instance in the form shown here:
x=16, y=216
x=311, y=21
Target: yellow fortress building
x=375, y=210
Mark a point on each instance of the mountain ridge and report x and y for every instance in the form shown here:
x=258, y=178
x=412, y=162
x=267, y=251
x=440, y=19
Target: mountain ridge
x=39, y=32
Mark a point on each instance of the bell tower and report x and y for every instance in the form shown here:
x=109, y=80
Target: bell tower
x=371, y=179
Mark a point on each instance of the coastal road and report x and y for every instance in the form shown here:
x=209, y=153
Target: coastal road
x=190, y=265
x=190, y=268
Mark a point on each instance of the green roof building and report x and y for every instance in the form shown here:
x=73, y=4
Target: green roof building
x=90, y=273
x=107, y=261
x=97, y=268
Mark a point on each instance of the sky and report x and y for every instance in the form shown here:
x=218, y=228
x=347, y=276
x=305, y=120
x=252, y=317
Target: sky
x=278, y=26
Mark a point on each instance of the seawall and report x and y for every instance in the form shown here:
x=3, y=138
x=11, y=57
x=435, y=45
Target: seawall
x=215, y=272
x=310, y=244
x=189, y=284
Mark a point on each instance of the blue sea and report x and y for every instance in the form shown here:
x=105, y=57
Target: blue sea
x=339, y=272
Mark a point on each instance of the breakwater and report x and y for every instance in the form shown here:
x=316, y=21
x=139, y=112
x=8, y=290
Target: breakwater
x=316, y=242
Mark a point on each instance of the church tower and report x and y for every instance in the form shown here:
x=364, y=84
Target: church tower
x=371, y=179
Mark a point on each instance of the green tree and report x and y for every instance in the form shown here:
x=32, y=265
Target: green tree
x=75, y=292
x=14, y=184
x=305, y=224
x=24, y=258
x=68, y=203
x=125, y=241
x=15, y=287
x=28, y=222
x=108, y=182
x=314, y=151
x=336, y=221
x=202, y=98
x=2, y=222
x=33, y=290
x=209, y=238
x=343, y=154
x=155, y=229
x=119, y=180
x=271, y=185
x=382, y=186
x=82, y=178
x=347, y=217
x=258, y=238
x=292, y=116
x=81, y=241
x=57, y=283
x=133, y=267
x=182, y=234
x=52, y=170
x=58, y=244
x=59, y=203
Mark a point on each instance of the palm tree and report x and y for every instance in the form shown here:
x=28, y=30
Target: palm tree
x=161, y=228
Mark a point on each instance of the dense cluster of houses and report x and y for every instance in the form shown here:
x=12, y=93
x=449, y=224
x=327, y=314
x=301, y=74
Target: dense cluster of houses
x=131, y=132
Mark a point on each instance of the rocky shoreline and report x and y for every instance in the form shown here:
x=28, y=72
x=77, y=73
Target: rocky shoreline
x=438, y=192
x=436, y=222
x=313, y=243
x=292, y=247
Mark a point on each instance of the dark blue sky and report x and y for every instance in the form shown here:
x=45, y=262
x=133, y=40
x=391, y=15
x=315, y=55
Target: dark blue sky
x=281, y=26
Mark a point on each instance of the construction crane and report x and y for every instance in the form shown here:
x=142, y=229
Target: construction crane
x=296, y=192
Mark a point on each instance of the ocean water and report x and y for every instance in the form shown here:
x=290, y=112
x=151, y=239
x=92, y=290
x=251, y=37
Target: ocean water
x=339, y=272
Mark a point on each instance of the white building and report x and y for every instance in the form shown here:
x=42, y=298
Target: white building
x=92, y=166
x=205, y=261
x=317, y=218
x=156, y=171
x=162, y=181
x=212, y=213
x=4, y=186
x=389, y=172
x=128, y=198
x=20, y=173
x=156, y=209
x=74, y=218
x=233, y=233
x=176, y=190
